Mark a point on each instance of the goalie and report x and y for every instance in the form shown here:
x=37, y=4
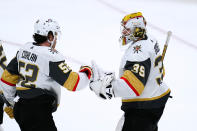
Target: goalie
x=140, y=83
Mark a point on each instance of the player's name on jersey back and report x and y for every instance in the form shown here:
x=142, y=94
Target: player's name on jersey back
x=29, y=56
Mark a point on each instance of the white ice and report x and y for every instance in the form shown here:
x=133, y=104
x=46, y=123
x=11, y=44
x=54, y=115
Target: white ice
x=90, y=31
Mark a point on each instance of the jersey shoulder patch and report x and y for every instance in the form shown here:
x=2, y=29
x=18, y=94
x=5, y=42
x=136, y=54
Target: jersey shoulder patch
x=139, y=51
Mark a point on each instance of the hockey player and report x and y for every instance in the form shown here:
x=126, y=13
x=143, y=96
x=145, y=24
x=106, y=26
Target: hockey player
x=140, y=83
x=3, y=60
x=32, y=80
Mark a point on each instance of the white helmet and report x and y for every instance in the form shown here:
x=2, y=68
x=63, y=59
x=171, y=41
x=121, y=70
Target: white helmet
x=43, y=27
x=133, y=28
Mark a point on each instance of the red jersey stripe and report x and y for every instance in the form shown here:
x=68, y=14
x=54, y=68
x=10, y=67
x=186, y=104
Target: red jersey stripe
x=75, y=87
x=130, y=85
x=10, y=84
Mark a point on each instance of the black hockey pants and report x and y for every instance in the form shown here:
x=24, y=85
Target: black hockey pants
x=1, y=111
x=142, y=119
x=35, y=114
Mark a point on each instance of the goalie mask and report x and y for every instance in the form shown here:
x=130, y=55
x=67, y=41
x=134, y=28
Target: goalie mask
x=133, y=28
x=44, y=27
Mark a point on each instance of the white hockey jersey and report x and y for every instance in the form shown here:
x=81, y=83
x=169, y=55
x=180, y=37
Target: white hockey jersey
x=37, y=70
x=141, y=76
x=3, y=60
x=3, y=65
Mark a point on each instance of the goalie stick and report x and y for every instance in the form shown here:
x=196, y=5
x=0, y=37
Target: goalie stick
x=4, y=100
x=169, y=34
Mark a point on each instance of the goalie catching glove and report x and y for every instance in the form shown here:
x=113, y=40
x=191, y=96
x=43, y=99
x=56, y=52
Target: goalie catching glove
x=101, y=82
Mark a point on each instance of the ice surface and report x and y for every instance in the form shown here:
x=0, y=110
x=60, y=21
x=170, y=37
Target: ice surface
x=90, y=31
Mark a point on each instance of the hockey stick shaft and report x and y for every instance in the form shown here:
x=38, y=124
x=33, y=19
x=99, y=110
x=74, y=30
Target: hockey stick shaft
x=4, y=99
x=169, y=34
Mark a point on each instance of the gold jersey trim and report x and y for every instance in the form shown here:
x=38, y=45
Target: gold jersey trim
x=134, y=83
x=71, y=82
x=146, y=99
x=22, y=88
x=9, y=78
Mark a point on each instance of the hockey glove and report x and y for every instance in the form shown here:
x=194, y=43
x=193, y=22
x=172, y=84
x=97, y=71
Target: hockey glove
x=101, y=82
x=9, y=111
x=103, y=87
x=106, y=88
x=87, y=70
x=95, y=82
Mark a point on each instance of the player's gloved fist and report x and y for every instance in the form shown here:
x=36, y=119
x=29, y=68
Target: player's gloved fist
x=87, y=70
x=101, y=82
x=103, y=86
x=107, y=89
x=95, y=86
x=9, y=111
x=95, y=82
